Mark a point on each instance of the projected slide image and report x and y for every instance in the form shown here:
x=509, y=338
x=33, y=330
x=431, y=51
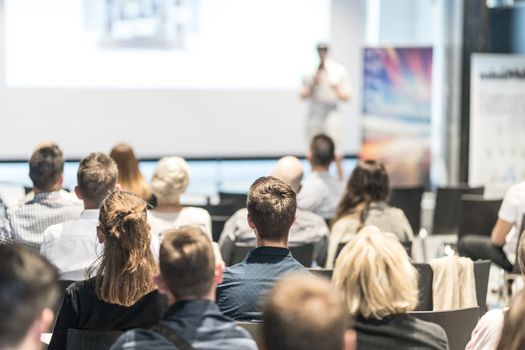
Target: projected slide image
x=157, y=44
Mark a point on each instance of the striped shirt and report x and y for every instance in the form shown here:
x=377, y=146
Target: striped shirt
x=199, y=322
x=27, y=222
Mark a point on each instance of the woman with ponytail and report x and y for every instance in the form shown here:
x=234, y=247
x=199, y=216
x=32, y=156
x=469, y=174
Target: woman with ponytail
x=120, y=293
x=364, y=203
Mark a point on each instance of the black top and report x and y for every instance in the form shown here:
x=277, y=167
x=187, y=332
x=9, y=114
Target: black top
x=402, y=332
x=244, y=285
x=199, y=322
x=81, y=309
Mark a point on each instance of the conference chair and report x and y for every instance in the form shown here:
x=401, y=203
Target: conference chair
x=409, y=199
x=477, y=215
x=482, y=273
x=79, y=339
x=458, y=324
x=301, y=252
x=320, y=272
x=448, y=206
x=253, y=328
x=238, y=200
x=217, y=225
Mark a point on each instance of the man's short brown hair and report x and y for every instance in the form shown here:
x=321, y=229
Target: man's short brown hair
x=96, y=176
x=271, y=205
x=322, y=148
x=45, y=166
x=187, y=263
x=304, y=312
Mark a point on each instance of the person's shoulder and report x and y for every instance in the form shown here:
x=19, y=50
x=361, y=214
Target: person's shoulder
x=195, y=211
x=142, y=339
x=55, y=231
x=429, y=329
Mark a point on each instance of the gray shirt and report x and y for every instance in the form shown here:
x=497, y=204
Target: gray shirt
x=320, y=193
x=307, y=228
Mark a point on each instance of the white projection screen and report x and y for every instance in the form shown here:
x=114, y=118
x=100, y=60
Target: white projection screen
x=197, y=78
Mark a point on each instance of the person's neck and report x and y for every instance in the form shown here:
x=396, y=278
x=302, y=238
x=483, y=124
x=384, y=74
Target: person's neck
x=37, y=191
x=90, y=206
x=210, y=297
x=268, y=243
x=319, y=169
x=168, y=208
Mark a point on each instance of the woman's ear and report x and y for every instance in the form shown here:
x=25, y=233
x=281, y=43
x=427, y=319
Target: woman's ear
x=100, y=235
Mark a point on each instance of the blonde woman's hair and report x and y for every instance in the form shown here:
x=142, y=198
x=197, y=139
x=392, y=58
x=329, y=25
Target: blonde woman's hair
x=129, y=176
x=127, y=266
x=375, y=275
x=170, y=180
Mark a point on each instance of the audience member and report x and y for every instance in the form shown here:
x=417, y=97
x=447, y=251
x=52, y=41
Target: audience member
x=321, y=191
x=170, y=180
x=307, y=227
x=129, y=176
x=28, y=292
x=500, y=247
x=72, y=245
x=122, y=294
x=364, y=203
x=271, y=211
x=488, y=330
x=47, y=204
x=380, y=286
x=513, y=332
x=189, y=274
x=305, y=312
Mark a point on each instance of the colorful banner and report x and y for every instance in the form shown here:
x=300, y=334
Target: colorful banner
x=397, y=112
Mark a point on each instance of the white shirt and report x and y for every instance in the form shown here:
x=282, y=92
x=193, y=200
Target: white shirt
x=488, y=331
x=333, y=74
x=512, y=210
x=72, y=246
x=188, y=216
x=320, y=194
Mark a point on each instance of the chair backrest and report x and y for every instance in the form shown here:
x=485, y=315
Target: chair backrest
x=481, y=274
x=447, y=208
x=458, y=324
x=217, y=225
x=238, y=200
x=326, y=273
x=477, y=215
x=79, y=339
x=304, y=253
x=424, y=285
x=223, y=209
x=253, y=328
x=409, y=199
x=240, y=250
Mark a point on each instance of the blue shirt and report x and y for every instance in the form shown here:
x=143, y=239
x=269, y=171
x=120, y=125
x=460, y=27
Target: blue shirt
x=244, y=286
x=199, y=322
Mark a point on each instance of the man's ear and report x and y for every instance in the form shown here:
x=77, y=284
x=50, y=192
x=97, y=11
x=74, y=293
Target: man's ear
x=161, y=283
x=60, y=182
x=78, y=193
x=250, y=222
x=309, y=155
x=219, y=272
x=117, y=187
x=100, y=235
x=41, y=325
x=350, y=340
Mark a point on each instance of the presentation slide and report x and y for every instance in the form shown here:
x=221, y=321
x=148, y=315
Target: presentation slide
x=163, y=44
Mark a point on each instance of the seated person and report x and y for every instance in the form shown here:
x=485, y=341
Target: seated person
x=321, y=191
x=271, y=211
x=500, y=247
x=189, y=273
x=129, y=176
x=47, y=204
x=72, y=245
x=305, y=312
x=28, y=293
x=307, y=227
x=122, y=294
x=488, y=330
x=513, y=332
x=364, y=203
x=170, y=180
x=380, y=287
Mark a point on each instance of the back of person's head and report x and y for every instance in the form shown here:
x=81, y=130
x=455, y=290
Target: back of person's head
x=368, y=183
x=290, y=170
x=96, y=176
x=28, y=292
x=126, y=269
x=375, y=275
x=129, y=175
x=46, y=167
x=187, y=263
x=513, y=333
x=170, y=180
x=271, y=208
x=304, y=312
x=322, y=150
